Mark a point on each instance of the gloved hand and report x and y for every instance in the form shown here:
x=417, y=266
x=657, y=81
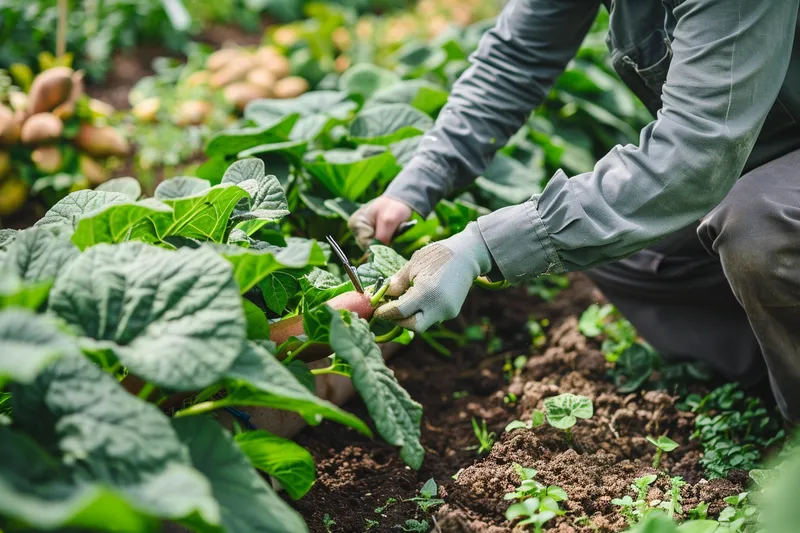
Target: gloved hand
x=378, y=219
x=433, y=285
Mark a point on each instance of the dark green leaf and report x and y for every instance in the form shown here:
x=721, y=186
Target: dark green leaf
x=289, y=463
x=233, y=141
x=389, y=123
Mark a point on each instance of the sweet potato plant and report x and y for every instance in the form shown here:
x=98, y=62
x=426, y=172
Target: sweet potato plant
x=127, y=323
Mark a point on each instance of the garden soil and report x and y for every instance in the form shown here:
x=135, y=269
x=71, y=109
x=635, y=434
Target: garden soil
x=358, y=476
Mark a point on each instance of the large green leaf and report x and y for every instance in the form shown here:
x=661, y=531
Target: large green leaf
x=420, y=94
x=114, y=223
x=291, y=150
x=347, y=173
x=329, y=103
x=258, y=379
x=251, y=266
x=365, y=79
x=128, y=186
x=289, y=463
x=247, y=503
x=319, y=286
x=69, y=209
x=396, y=416
x=16, y=294
x=231, y=142
x=387, y=261
x=268, y=200
x=28, y=343
x=278, y=288
x=180, y=187
x=203, y=216
x=172, y=318
x=389, y=123
x=40, y=254
x=106, y=437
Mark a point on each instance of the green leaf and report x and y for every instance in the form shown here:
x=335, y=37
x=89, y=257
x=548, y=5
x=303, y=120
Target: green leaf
x=365, y=79
x=636, y=365
x=509, y=182
x=247, y=503
x=317, y=324
x=114, y=223
x=429, y=489
x=289, y=463
x=14, y=293
x=420, y=94
x=564, y=410
x=268, y=200
x=174, y=319
x=204, y=216
x=386, y=260
x=128, y=186
x=258, y=379
x=334, y=104
x=347, y=173
x=303, y=374
x=291, y=150
x=180, y=187
x=257, y=323
x=232, y=141
x=664, y=443
x=29, y=343
x=251, y=266
x=40, y=254
x=387, y=124
x=368, y=273
x=592, y=320
x=278, y=288
x=72, y=207
x=319, y=286
x=396, y=416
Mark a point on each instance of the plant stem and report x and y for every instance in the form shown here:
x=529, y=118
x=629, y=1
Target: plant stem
x=207, y=393
x=491, y=285
x=435, y=345
x=146, y=391
x=294, y=353
x=388, y=337
x=201, y=408
x=327, y=370
x=378, y=296
x=61, y=30
x=657, y=457
x=568, y=435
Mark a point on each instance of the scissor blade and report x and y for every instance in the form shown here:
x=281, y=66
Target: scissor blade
x=351, y=272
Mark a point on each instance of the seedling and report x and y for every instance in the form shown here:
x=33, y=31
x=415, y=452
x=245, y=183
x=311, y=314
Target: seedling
x=514, y=367
x=486, y=438
x=663, y=445
x=460, y=394
x=382, y=508
x=510, y=399
x=673, y=505
x=328, y=522
x=563, y=411
x=606, y=321
x=415, y=526
x=537, y=503
x=370, y=524
x=635, y=510
x=738, y=513
x=427, y=497
x=700, y=512
x=537, y=419
x=548, y=287
x=536, y=331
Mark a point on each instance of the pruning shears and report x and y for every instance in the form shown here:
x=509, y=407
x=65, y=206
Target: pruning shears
x=348, y=268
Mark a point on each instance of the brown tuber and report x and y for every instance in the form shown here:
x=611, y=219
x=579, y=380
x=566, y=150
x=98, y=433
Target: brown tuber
x=291, y=87
x=235, y=71
x=47, y=159
x=50, y=89
x=221, y=58
x=6, y=120
x=67, y=109
x=147, y=109
x=101, y=141
x=193, y=113
x=279, y=66
x=261, y=77
x=240, y=94
x=196, y=79
x=93, y=170
x=41, y=128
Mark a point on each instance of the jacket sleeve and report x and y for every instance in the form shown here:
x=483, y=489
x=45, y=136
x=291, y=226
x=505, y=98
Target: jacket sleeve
x=511, y=73
x=729, y=60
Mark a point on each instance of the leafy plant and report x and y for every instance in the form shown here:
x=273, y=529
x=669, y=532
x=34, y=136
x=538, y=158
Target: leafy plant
x=415, y=526
x=328, y=522
x=605, y=321
x=486, y=438
x=563, y=411
x=634, y=510
x=673, y=504
x=427, y=498
x=537, y=503
x=663, y=445
x=537, y=420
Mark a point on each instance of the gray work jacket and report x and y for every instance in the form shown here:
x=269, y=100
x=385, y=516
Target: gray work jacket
x=722, y=78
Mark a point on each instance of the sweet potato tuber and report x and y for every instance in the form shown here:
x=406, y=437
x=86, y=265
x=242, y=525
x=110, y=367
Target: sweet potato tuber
x=94, y=171
x=101, y=141
x=147, y=109
x=222, y=58
x=50, y=89
x=242, y=93
x=262, y=77
x=235, y=71
x=47, y=159
x=41, y=128
x=291, y=87
x=193, y=113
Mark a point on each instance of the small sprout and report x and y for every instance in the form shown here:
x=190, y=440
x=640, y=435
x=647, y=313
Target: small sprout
x=700, y=512
x=673, y=505
x=415, y=526
x=382, y=508
x=537, y=503
x=370, y=524
x=328, y=522
x=454, y=477
x=510, y=399
x=563, y=411
x=485, y=437
x=427, y=496
x=663, y=445
x=514, y=367
x=635, y=510
x=460, y=394
x=537, y=419
x=536, y=331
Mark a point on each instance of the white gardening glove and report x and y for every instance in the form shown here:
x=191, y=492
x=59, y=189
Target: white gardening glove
x=379, y=220
x=433, y=285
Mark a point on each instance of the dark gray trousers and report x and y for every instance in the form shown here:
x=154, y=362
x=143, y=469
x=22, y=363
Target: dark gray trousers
x=726, y=291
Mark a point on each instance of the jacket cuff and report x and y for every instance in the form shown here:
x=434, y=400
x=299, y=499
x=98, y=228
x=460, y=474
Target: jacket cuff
x=519, y=242
x=420, y=185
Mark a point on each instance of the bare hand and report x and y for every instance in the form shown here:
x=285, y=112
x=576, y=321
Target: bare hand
x=378, y=219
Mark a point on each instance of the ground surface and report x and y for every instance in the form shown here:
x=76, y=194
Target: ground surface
x=609, y=451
